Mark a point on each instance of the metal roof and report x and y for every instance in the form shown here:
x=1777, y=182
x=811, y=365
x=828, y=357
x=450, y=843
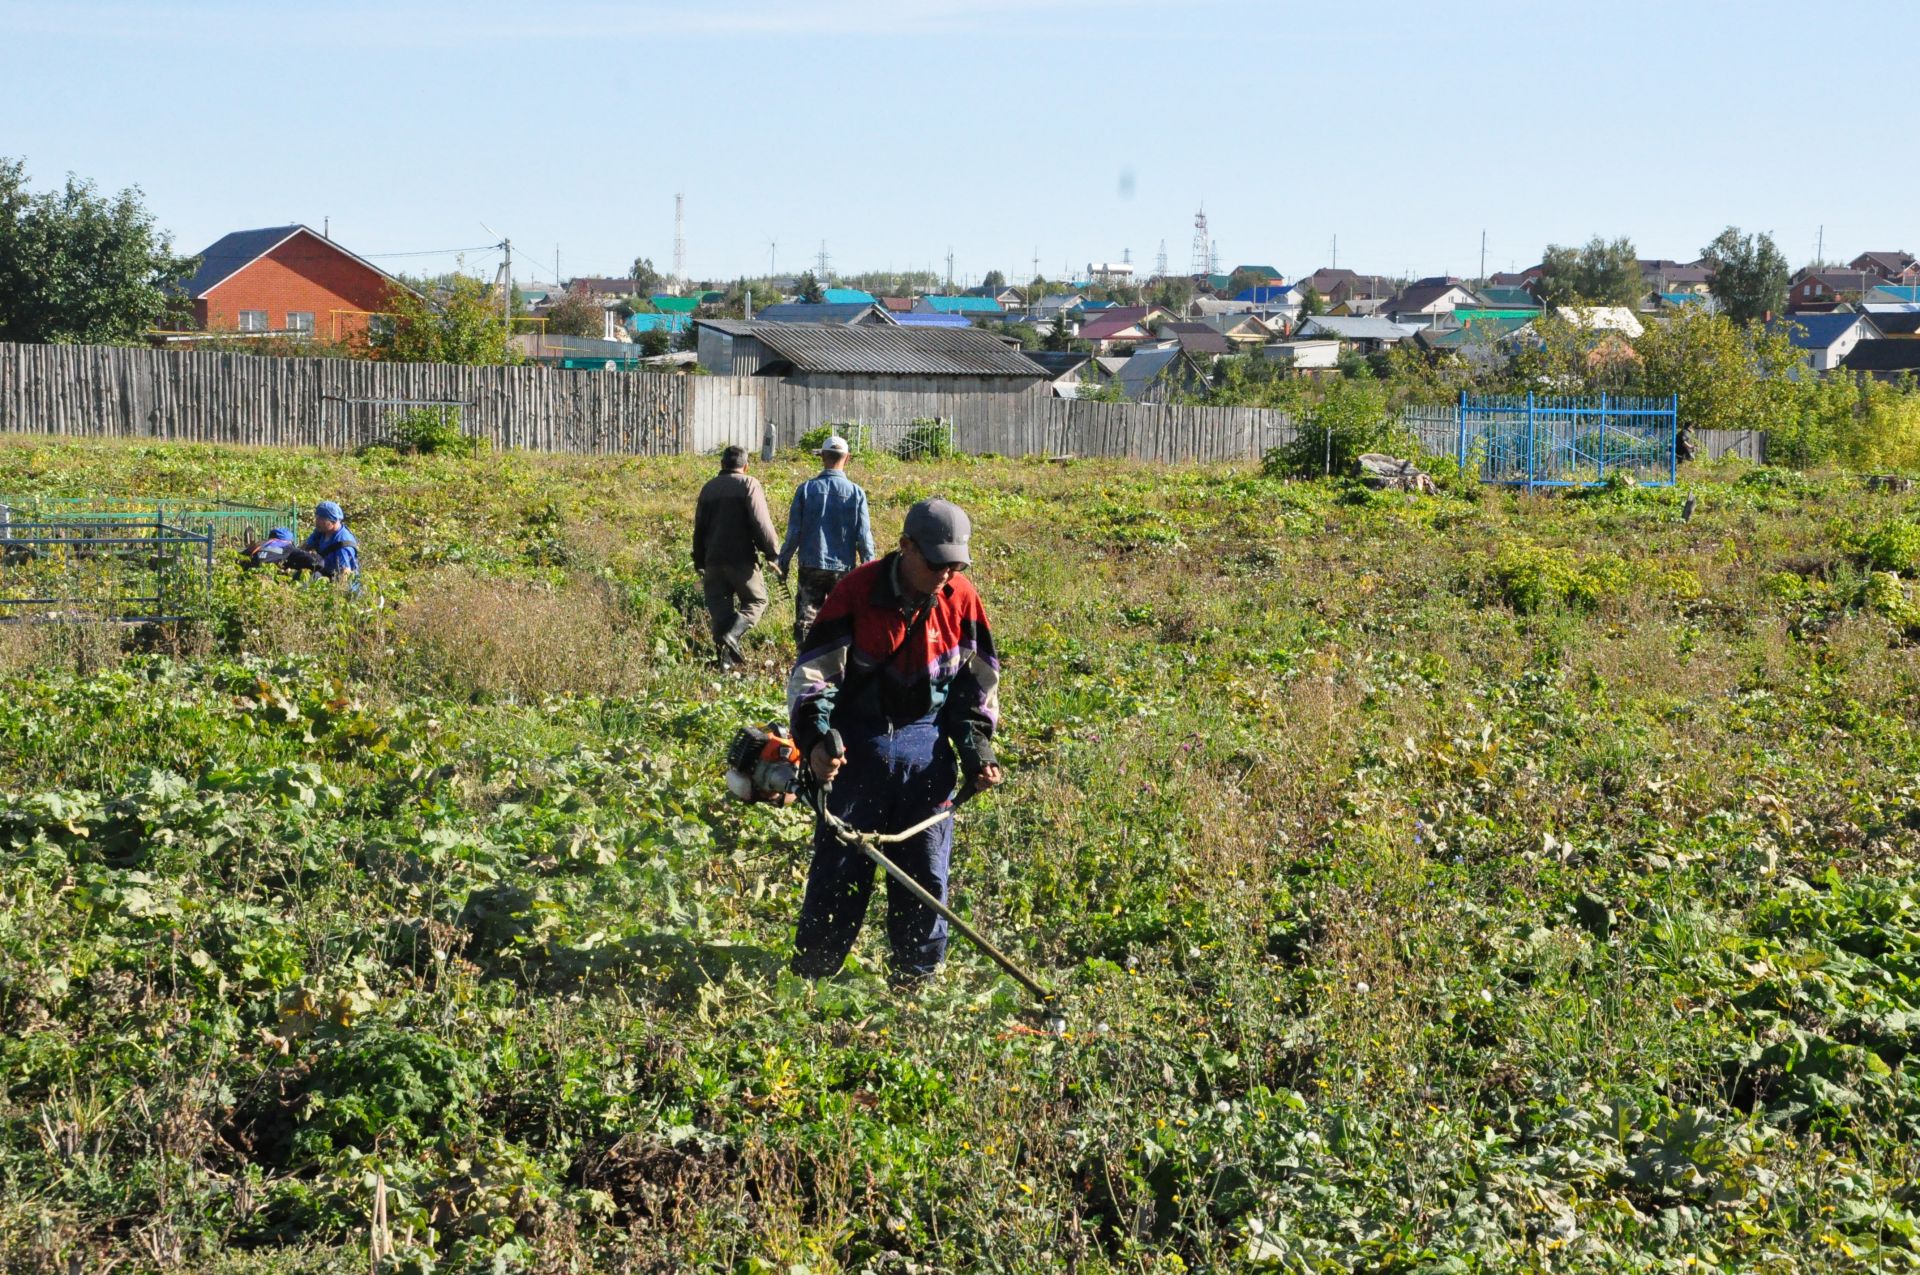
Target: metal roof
x=886, y=351
x=846, y=296
x=1356, y=327
x=1883, y=356
x=1818, y=331
x=230, y=254
x=821, y=312
x=227, y=254
x=649, y=322
x=910, y=320
x=667, y=303
x=963, y=305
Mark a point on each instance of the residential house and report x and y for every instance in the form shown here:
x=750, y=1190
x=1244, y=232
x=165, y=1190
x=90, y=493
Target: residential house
x=1428, y=300
x=667, y=303
x=287, y=280
x=1265, y=294
x=1272, y=276
x=1660, y=275
x=972, y=307
x=1826, y=339
x=911, y=320
x=1121, y=326
x=1822, y=290
x=1898, y=325
x=602, y=288
x=1110, y=273
x=641, y=323
x=1891, y=293
x=1516, y=278
x=868, y=357
x=1367, y=334
x=897, y=305
x=1207, y=307
x=1893, y=267
x=849, y=314
x=1360, y=307
x=1201, y=341
x=1057, y=303
x=1338, y=285
x=1157, y=373
x=1064, y=368
x=1009, y=298
x=1603, y=318
x=1506, y=296
x=1479, y=342
x=1884, y=360
x=1246, y=329
x=1305, y=357
x=846, y=296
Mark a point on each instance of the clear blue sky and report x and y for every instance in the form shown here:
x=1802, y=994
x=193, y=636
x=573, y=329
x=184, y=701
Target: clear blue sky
x=897, y=129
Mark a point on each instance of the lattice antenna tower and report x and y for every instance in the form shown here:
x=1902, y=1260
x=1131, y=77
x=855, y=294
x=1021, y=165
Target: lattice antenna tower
x=1160, y=262
x=680, y=238
x=1202, y=247
x=821, y=264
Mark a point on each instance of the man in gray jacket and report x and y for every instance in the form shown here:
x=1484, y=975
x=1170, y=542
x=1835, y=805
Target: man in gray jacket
x=731, y=533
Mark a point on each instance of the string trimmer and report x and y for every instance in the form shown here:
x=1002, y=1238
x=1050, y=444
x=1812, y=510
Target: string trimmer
x=869, y=843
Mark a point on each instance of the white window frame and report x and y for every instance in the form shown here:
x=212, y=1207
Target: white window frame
x=251, y=320
x=294, y=324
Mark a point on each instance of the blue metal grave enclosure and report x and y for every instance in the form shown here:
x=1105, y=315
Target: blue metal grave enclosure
x=1535, y=441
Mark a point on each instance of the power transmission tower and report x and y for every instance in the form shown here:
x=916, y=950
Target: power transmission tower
x=680, y=239
x=1160, y=262
x=1202, y=248
x=823, y=262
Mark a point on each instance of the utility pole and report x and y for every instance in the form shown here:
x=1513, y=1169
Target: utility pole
x=949, y=269
x=1820, y=246
x=1336, y=252
x=1036, y=267
x=1483, y=257
x=679, y=240
x=772, y=246
x=506, y=291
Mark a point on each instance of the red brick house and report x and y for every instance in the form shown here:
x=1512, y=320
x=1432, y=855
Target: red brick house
x=286, y=280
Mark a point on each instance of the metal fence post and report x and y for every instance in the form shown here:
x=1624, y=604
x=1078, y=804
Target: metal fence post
x=1529, y=440
x=1460, y=422
x=1673, y=439
x=1606, y=432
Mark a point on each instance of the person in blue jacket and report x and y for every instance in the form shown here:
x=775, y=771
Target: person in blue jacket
x=332, y=543
x=827, y=529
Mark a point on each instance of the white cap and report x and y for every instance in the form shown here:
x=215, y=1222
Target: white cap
x=835, y=445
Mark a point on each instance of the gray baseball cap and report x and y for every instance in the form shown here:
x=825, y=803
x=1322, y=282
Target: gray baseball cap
x=834, y=446
x=941, y=529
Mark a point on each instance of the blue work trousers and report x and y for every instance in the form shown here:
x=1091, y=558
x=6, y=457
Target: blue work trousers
x=892, y=780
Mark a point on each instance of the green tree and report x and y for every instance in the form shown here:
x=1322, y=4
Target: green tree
x=1350, y=419
x=1311, y=302
x=646, y=280
x=1749, y=274
x=655, y=342
x=78, y=267
x=464, y=325
x=576, y=314
x=810, y=290
x=687, y=340
x=1604, y=272
x=1025, y=333
x=1725, y=376
x=1174, y=292
x=994, y=279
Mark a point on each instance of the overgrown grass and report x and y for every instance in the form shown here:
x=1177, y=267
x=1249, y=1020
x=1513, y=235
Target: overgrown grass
x=1482, y=883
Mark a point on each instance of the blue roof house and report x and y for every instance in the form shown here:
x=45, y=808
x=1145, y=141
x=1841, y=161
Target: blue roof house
x=1826, y=339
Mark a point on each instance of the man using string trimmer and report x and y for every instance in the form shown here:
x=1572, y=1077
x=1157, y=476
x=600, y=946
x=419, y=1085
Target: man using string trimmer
x=899, y=684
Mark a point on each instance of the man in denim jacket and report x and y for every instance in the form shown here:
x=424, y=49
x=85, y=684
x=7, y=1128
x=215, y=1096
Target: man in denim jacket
x=828, y=527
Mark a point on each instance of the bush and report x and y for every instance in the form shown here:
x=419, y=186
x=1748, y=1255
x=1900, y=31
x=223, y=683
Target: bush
x=1350, y=421
x=926, y=439
x=426, y=431
x=1533, y=578
x=496, y=639
x=1893, y=547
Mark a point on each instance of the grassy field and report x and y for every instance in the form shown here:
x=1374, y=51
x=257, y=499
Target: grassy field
x=1476, y=883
